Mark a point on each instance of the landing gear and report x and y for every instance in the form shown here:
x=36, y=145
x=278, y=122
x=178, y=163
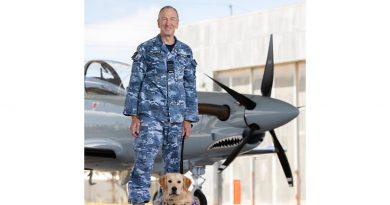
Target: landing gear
x=90, y=177
x=158, y=198
x=199, y=197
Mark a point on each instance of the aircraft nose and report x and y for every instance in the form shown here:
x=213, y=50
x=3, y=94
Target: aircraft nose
x=271, y=113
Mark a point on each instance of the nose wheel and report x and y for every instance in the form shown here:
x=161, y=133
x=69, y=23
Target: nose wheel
x=199, y=197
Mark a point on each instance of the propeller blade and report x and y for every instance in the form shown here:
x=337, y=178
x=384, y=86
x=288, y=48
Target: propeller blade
x=268, y=76
x=236, y=151
x=282, y=158
x=242, y=99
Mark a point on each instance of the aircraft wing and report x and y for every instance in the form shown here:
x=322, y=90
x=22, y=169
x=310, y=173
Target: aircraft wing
x=112, y=99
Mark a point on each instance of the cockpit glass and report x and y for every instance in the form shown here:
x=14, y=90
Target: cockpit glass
x=98, y=71
x=106, y=77
x=124, y=72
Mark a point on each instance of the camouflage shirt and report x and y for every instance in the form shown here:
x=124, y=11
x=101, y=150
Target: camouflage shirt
x=162, y=83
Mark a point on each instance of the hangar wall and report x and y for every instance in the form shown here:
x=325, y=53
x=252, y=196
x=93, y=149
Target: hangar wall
x=233, y=50
x=242, y=40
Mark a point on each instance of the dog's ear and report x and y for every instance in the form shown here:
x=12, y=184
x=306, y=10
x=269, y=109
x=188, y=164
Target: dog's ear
x=163, y=182
x=187, y=183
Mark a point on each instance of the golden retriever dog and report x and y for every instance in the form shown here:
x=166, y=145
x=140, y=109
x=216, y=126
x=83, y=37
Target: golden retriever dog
x=175, y=189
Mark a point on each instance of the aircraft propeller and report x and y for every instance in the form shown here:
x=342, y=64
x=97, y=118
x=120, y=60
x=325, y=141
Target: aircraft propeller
x=266, y=89
x=242, y=99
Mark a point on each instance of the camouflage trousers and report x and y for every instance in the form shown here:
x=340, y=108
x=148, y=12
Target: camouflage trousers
x=153, y=134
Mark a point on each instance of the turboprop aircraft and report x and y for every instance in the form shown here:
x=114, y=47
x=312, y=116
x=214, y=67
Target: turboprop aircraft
x=231, y=124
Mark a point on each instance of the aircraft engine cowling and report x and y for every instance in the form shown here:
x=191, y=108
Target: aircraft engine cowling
x=270, y=113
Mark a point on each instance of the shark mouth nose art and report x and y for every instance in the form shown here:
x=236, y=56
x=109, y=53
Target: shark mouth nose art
x=226, y=143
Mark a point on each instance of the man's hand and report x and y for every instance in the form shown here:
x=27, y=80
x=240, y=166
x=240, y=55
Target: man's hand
x=134, y=127
x=186, y=131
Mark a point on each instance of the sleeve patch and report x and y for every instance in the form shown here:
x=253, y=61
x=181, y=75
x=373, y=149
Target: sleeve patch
x=135, y=53
x=136, y=56
x=194, y=63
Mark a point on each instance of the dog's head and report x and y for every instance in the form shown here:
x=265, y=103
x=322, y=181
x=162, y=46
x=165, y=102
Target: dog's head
x=174, y=183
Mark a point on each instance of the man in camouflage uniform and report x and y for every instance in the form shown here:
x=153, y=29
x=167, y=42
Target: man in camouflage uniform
x=162, y=102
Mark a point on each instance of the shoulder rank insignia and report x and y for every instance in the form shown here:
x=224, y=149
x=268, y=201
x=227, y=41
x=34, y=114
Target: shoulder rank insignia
x=134, y=55
x=194, y=62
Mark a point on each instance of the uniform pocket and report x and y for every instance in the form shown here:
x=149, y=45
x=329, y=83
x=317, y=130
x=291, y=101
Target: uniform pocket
x=154, y=58
x=183, y=61
x=179, y=73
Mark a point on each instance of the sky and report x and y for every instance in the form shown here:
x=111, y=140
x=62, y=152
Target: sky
x=114, y=28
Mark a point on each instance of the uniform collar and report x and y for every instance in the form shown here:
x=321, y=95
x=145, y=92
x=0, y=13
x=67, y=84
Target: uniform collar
x=162, y=45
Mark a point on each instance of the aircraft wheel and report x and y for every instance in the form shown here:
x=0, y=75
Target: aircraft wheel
x=199, y=198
